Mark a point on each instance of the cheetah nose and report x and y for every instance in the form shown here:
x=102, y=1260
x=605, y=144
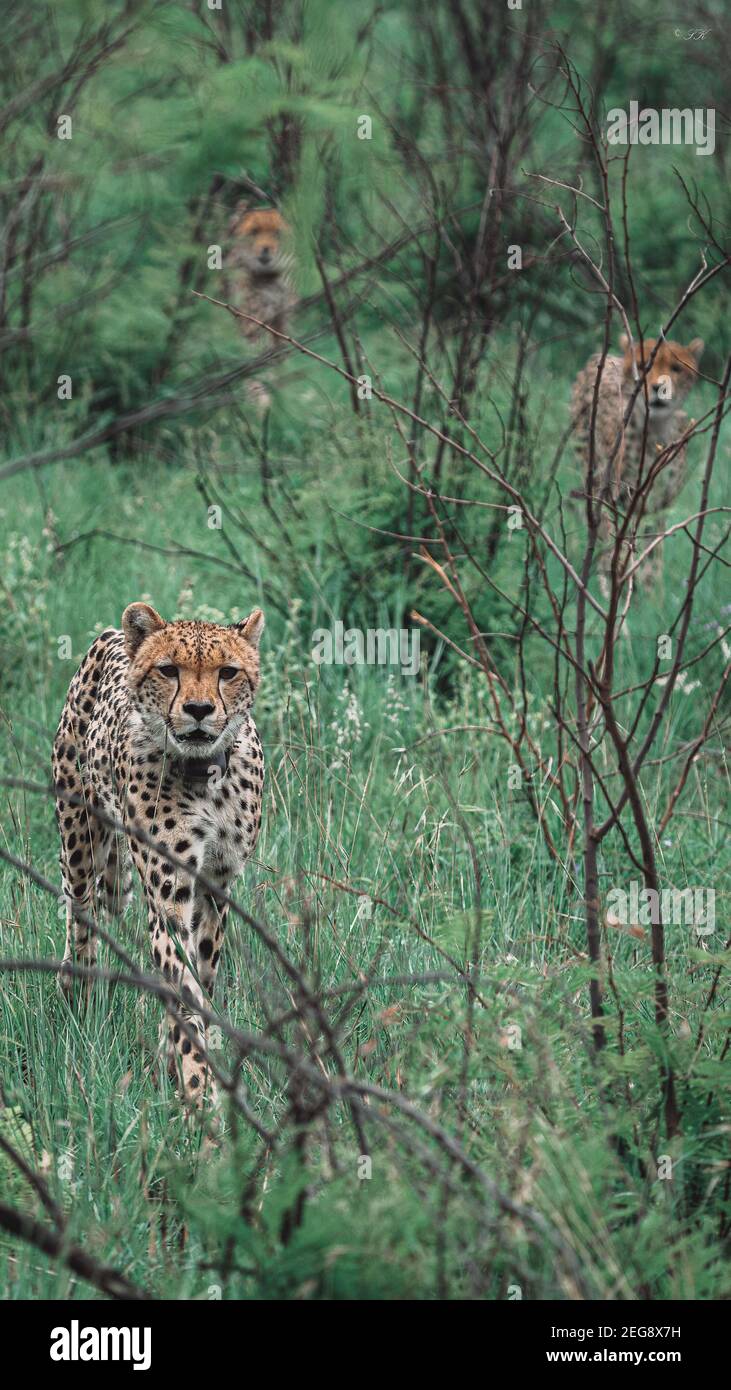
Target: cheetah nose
x=265, y=255
x=198, y=709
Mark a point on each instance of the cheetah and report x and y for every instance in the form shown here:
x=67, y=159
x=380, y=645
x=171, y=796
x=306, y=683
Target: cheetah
x=157, y=735
x=258, y=279
x=672, y=374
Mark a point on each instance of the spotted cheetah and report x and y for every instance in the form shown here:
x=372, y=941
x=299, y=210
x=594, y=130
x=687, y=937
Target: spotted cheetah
x=672, y=374
x=157, y=734
x=259, y=281
x=259, y=270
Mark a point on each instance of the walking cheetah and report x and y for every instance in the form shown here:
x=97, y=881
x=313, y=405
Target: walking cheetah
x=157, y=733
x=259, y=281
x=672, y=374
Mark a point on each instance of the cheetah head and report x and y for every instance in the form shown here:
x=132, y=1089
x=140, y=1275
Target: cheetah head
x=191, y=684
x=260, y=235
x=673, y=371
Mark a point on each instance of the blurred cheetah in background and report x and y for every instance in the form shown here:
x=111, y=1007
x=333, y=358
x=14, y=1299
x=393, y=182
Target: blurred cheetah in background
x=259, y=280
x=672, y=374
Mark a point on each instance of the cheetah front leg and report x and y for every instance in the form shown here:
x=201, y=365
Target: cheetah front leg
x=114, y=885
x=607, y=541
x=175, y=942
x=203, y=943
x=209, y=921
x=172, y=941
x=664, y=492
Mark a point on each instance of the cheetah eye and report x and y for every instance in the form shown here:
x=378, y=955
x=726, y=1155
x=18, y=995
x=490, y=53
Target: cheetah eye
x=227, y=673
x=170, y=671
x=676, y=367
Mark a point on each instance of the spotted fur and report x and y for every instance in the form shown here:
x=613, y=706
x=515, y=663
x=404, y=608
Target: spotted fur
x=258, y=269
x=258, y=281
x=672, y=374
x=157, y=733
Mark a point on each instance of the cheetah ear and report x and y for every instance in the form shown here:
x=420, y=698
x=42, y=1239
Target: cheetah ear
x=624, y=342
x=251, y=628
x=234, y=220
x=696, y=347
x=139, y=620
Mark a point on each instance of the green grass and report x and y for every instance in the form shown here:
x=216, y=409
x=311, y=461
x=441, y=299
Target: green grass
x=375, y=798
